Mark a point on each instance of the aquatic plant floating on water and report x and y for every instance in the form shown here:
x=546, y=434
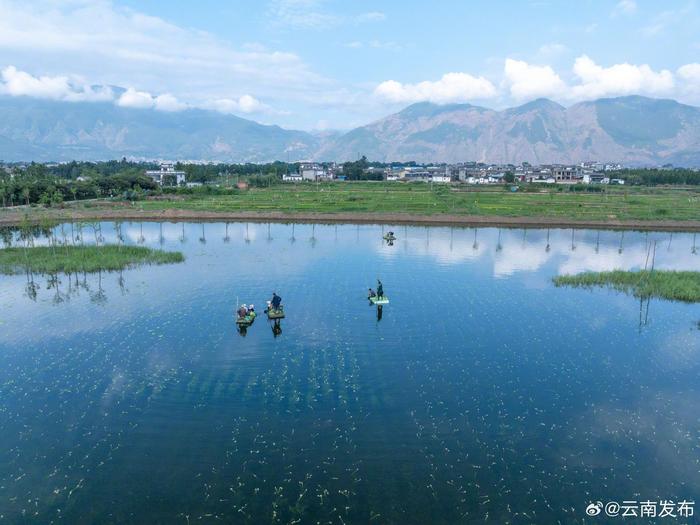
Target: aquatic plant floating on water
x=68, y=259
x=663, y=284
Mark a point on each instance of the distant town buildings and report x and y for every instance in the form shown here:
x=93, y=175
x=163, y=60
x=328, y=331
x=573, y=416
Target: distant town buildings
x=167, y=175
x=481, y=173
x=468, y=173
x=316, y=172
x=292, y=177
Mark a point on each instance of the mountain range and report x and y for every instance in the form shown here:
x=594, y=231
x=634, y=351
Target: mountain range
x=633, y=130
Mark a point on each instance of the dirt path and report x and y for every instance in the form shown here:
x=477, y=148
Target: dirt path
x=14, y=217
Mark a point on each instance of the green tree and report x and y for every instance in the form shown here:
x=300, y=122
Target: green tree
x=26, y=194
x=356, y=170
x=509, y=177
x=45, y=199
x=56, y=198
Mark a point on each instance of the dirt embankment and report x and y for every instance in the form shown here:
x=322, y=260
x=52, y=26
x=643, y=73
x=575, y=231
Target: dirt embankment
x=15, y=216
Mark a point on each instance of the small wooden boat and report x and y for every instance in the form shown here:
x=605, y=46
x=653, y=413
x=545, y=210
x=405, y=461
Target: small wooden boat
x=388, y=237
x=246, y=320
x=379, y=300
x=275, y=313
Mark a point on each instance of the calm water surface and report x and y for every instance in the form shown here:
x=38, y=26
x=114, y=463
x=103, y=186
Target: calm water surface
x=483, y=394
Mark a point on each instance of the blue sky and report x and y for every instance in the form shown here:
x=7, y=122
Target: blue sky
x=326, y=64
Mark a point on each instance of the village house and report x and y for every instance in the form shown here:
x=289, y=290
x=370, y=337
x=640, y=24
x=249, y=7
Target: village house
x=314, y=172
x=167, y=175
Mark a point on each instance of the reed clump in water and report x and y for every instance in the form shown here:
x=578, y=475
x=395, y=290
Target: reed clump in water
x=663, y=284
x=69, y=259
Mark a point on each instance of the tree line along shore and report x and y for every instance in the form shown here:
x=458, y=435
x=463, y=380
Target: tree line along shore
x=50, y=184
x=121, y=188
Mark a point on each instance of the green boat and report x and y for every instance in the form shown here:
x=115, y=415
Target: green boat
x=388, y=237
x=247, y=320
x=379, y=300
x=275, y=313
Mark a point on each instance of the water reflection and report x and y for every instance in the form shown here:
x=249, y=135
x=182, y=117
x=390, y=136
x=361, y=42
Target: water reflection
x=484, y=395
x=584, y=251
x=92, y=284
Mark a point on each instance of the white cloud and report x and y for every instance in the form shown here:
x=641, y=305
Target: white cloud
x=452, y=87
x=167, y=102
x=310, y=14
x=551, y=51
x=21, y=83
x=372, y=16
x=304, y=14
x=690, y=73
x=132, y=98
x=619, y=79
x=135, y=99
x=528, y=81
x=114, y=45
x=243, y=104
x=625, y=7
x=662, y=21
x=374, y=44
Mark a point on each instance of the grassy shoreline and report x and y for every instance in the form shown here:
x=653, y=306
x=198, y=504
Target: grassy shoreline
x=634, y=208
x=68, y=259
x=176, y=215
x=663, y=284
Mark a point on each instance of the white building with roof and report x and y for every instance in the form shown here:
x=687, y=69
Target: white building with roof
x=166, y=174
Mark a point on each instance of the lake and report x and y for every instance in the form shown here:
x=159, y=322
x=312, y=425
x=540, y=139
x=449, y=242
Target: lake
x=480, y=394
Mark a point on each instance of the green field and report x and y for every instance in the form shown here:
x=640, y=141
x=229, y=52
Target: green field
x=69, y=259
x=671, y=285
x=421, y=199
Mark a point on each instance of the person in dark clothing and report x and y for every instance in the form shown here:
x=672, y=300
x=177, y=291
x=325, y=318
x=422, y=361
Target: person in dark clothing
x=276, y=301
x=380, y=289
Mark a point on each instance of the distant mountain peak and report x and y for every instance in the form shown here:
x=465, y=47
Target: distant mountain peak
x=430, y=109
x=45, y=130
x=539, y=104
x=633, y=130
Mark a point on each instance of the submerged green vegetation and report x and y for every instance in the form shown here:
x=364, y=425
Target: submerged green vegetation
x=662, y=284
x=68, y=259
